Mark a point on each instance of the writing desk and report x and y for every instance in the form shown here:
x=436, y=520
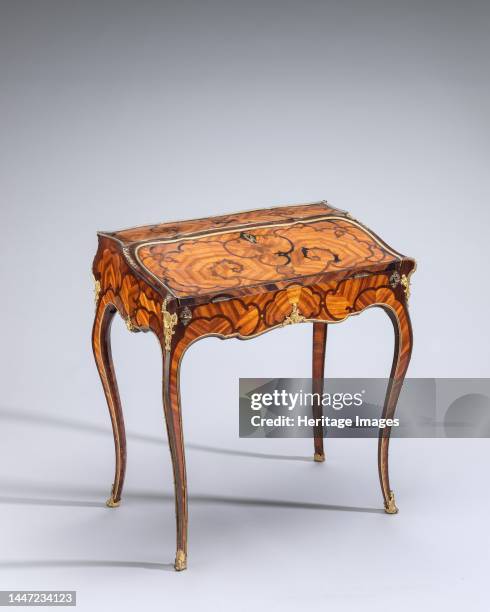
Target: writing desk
x=238, y=276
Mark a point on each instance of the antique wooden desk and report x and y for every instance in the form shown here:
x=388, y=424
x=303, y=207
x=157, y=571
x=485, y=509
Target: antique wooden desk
x=238, y=276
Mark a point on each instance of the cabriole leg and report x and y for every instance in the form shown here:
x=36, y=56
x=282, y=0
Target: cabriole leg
x=101, y=345
x=401, y=358
x=173, y=419
x=319, y=344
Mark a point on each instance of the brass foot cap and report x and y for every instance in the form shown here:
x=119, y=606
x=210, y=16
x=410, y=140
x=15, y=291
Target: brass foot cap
x=112, y=503
x=390, y=506
x=319, y=457
x=180, y=561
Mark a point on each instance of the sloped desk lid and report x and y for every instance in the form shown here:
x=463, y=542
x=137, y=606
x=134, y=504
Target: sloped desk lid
x=253, y=251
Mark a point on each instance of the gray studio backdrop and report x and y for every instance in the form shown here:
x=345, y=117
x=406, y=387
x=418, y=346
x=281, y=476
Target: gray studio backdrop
x=115, y=114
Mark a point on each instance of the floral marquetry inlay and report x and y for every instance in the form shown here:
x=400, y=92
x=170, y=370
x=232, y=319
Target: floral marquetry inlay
x=239, y=276
x=221, y=261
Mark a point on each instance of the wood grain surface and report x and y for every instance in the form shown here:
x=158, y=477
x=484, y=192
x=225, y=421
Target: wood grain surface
x=187, y=286
x=242, y=220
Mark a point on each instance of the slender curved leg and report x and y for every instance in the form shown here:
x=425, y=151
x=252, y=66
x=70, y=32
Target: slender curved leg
x=173, y=419
x=401, y=358
x=101, y=346
x=319, y=343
